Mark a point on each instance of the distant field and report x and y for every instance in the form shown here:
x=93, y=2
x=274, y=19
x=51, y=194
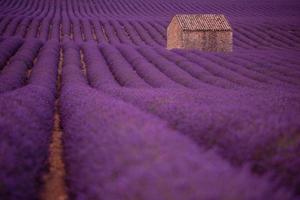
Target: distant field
x=93, y=106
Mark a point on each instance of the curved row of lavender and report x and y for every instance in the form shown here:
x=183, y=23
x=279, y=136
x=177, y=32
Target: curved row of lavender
x=141, y=122
x=26, y=122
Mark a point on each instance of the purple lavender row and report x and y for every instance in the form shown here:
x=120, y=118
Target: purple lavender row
x=219, y=70
x=45, y=68
x=263, y=73
x=3, y=24
x=26, y=124
x=33, y=29
x=121, y=69
x=261, y=37
x=240, y=71
x=14, y=74
x=98, y=72
x=153, y=33
x=65, y=25
x=76, y=28
x=145, y=36
x=11, y=27
x=133, y=33
x=22, y=27
x=146, y=69
x=87, y=30
x=110, y=32
x=124, y=153
x=159, y=28
x=171, y=70
x=8, y=47
x=101, y=35
x=121, y=33
x=71, y=59
x=277, y=68
x=277, y=59
x=195, y=69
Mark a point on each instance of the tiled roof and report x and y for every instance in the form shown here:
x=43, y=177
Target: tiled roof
x=204, y=22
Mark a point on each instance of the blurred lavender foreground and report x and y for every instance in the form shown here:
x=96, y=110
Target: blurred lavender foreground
x=139, y=121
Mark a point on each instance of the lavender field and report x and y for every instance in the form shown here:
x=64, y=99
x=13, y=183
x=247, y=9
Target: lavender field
x=93, y=105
